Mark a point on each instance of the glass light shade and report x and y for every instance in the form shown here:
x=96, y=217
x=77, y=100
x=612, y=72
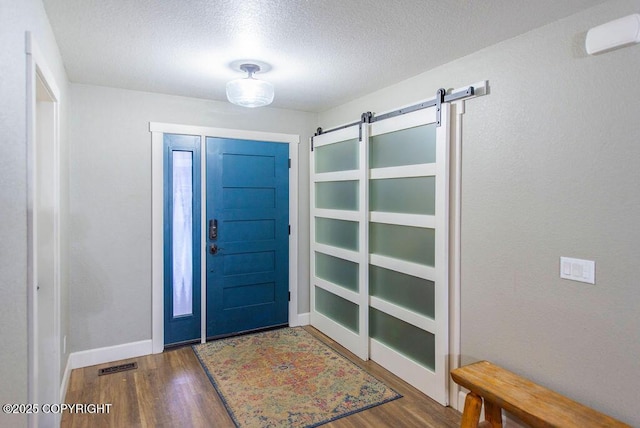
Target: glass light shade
x=250, y=92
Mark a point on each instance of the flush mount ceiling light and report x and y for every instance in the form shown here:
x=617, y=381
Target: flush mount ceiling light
x=250, y=92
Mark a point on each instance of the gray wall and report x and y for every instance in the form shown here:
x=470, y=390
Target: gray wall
x=551, y=167
x=17, y=17
x=110, y=202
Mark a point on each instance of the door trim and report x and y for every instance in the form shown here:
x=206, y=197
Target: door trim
x=37, y=69
x=157, y=221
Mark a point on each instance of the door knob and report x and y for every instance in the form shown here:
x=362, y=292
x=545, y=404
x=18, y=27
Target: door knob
x=213, y=249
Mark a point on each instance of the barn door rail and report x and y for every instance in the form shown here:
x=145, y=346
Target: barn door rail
x=440, y=98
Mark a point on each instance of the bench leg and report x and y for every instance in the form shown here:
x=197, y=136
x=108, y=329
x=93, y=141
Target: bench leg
x=471, y=413
x=492, y=414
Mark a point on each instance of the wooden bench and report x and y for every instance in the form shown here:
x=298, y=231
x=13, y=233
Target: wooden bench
x=533, y=404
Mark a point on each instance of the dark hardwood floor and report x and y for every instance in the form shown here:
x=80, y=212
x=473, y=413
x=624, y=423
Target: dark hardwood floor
x=172, y=390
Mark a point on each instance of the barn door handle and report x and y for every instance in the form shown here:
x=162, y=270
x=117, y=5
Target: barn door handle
x=213, y=229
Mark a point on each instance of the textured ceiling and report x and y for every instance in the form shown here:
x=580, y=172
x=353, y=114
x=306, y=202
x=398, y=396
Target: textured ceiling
x=321, y=52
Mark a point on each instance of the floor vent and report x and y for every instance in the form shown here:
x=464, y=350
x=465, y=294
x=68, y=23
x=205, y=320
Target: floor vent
x=117, y=369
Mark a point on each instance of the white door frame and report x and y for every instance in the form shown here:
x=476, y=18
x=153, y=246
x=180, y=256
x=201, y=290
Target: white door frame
x=157, y=209
x=455, y=199
x=37, y=69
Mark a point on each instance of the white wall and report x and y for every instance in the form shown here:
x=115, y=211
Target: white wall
x=110, y=202
x=17, y=17
x=551, y=167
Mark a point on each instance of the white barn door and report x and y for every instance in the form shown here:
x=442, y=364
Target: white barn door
x=408, y=248
x=339, y=292
x=379, y=244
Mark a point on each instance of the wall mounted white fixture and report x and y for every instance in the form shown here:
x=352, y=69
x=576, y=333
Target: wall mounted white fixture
x=620, y=32
x=250, y=92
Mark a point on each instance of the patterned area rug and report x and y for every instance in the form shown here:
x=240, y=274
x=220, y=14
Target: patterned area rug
x=287, y=378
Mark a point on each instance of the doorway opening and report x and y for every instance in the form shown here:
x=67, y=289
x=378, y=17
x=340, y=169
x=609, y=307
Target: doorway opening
x=220, y=234
x=43, y=234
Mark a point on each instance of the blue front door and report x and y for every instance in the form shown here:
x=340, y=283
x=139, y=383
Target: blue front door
x=247, y=236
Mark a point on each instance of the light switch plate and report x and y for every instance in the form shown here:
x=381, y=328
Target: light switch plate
x=578, y=270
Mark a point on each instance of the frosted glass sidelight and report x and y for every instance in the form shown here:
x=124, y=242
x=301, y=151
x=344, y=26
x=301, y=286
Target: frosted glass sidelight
x=403, y=195
x=337, y=195
x=336, y=270
x=410, y=292
x=182, y=236
x=337, y=233
x=342, y=156
x=338, y=309
x=405, y=147
x=407, y=339
x=412, y=244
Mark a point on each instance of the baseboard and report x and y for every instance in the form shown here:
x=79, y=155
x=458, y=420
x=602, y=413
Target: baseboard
x=508, y=421
x=462, y=395
x=107, y=354
x=303, y=319
x=64, y=385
